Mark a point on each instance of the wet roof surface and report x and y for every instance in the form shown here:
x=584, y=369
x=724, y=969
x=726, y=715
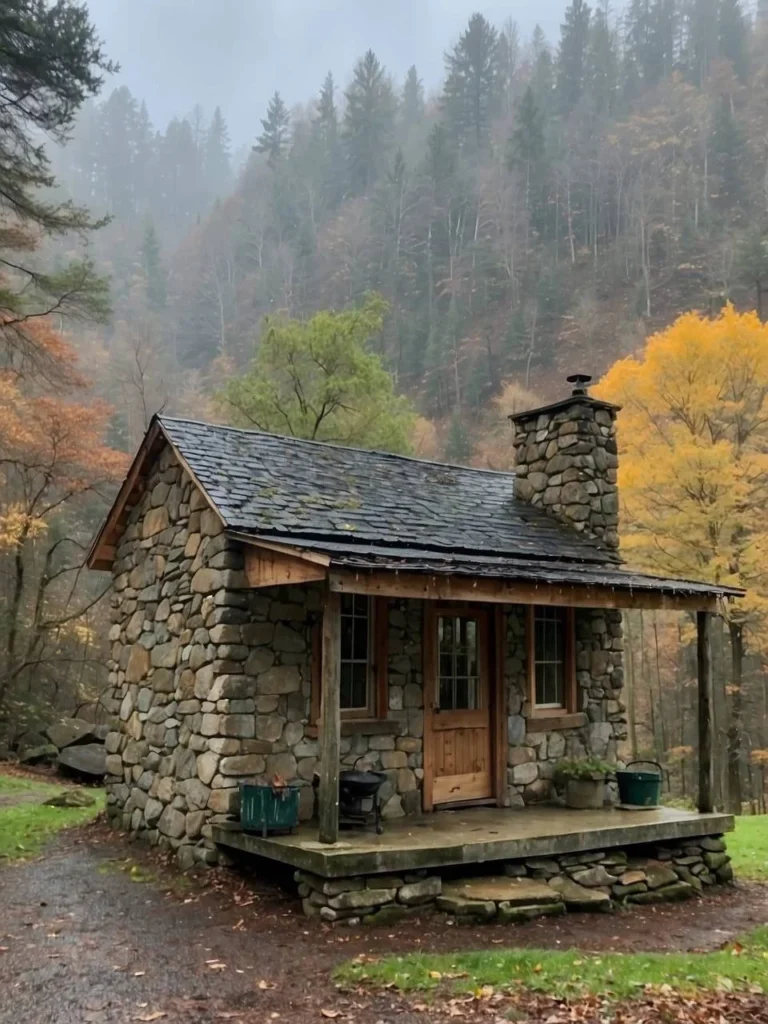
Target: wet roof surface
x=288, y=488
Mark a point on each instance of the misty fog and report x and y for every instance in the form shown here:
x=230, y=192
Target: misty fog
x=235, y=53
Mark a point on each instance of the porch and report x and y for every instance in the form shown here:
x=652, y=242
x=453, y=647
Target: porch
x=475, y=835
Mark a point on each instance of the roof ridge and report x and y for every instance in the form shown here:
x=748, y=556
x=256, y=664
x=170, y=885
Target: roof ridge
x=340, y=447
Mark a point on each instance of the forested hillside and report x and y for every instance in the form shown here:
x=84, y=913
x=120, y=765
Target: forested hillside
x=548, y=206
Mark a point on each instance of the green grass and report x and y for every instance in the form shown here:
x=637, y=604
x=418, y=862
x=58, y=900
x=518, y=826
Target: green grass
x=748, y=847
x=570, y=973
x=26, y=827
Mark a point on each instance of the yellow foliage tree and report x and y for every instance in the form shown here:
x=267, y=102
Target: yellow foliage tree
x=693, y=477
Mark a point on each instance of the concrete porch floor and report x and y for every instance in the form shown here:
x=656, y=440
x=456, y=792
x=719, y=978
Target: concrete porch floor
x=471, y=836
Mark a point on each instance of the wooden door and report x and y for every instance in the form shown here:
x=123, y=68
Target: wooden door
x=458, y=748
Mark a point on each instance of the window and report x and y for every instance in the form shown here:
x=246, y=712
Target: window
x=356, y=654
x=363, y=660
x=551, y=659
x=457, y=638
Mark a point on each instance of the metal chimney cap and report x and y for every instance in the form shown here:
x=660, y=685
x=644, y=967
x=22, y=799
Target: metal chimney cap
x=580, y=380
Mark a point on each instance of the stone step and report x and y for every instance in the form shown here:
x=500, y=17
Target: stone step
x=579, y=897
x=517, y=892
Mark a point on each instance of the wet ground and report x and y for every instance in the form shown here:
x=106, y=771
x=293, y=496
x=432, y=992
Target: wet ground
x=97, y=932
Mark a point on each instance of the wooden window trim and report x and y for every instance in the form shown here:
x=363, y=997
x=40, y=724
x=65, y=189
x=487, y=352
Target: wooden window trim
x=570, y=707
x=379, y=686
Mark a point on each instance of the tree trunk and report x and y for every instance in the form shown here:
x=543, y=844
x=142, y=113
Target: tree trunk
x=734, y=730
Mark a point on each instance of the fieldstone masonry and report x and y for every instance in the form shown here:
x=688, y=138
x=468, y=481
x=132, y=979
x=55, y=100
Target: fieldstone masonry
x=210, y=680
x=566, y=462
x=211, y=683
x=515, y=891
x=533, y=754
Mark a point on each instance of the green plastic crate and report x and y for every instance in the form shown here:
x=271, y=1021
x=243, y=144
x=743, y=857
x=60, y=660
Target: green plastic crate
x=265, y=809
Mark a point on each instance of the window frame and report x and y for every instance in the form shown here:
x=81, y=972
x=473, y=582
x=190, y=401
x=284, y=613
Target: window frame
x=569, y=664
x=368, y=709
x=378, y=668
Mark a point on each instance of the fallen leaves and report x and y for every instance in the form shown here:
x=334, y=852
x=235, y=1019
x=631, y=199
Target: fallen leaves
x=147, y=1017
x=331, y=1014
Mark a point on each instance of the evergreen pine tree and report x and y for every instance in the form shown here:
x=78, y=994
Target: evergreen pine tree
x=369, y=122
x=509, y=50
x=543, y=76
x=458, y=443
x=732, y=36
x=153, y=272
x=412, y=104
x=572, y=56
x=702, y=39
x=525, y=154
x=728, y=151
x=329, y=167
x=275, y=130
x=217, y=166
x=602, y=64
x=473, y=86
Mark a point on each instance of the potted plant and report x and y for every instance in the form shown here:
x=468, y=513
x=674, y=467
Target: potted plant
x=584, y=781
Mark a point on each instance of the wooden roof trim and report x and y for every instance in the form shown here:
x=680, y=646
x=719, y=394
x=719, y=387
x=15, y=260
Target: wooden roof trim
x=102, y=550
x=452, y=588
x=315, y=557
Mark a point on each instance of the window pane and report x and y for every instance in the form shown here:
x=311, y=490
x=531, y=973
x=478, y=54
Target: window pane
x=360, y=685
x=446, y=693
x=459, y=660
x=549, y=656
x=355, y=651
x=361, y=638
x=346, y=685
x=462, y=693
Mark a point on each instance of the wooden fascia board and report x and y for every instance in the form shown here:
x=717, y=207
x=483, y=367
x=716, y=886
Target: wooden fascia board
x=315, y=557
x=102, y=550
x=455, y=588
x=265, y=567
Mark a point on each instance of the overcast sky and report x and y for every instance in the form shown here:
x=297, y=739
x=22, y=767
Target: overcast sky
x=235, y=53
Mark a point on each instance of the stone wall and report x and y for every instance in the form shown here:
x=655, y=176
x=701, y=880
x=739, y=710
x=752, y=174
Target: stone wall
x=520, y=890
x=208, y=678
x=533, y=754
x=210, y=681
x=566, y=462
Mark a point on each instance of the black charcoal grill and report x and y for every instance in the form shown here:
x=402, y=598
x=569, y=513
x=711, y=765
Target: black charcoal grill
x=359, y=797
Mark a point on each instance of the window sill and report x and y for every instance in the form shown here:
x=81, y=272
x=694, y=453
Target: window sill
x=361, y=727
x=552, y=723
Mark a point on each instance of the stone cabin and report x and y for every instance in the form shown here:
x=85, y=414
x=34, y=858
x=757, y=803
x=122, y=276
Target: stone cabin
x=282, y=607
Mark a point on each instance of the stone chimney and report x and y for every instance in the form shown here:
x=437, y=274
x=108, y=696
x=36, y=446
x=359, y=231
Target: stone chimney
x=566, y=461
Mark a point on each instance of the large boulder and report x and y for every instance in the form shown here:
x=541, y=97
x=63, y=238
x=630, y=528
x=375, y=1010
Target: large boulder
x=88, y=759
x=46, y=752
x=71, y=798
x=69, y=732
x=29, y=740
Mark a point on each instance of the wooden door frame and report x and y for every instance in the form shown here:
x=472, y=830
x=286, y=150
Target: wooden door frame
x=497, y=698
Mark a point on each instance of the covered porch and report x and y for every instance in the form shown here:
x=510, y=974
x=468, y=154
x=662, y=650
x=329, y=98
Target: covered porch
x=474, y=836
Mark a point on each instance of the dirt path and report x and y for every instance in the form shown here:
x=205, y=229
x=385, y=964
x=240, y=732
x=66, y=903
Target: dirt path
x=81, y=942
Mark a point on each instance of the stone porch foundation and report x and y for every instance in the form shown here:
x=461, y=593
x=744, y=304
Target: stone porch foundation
x=520, y=890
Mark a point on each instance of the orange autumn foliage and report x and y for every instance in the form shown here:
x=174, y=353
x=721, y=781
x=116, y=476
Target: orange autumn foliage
x=54, y=468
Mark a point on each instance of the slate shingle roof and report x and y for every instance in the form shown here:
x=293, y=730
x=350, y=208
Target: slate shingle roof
x=324, y=495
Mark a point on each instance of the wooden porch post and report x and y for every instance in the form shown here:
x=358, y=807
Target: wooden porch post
x=330, y=720
x=704, y=659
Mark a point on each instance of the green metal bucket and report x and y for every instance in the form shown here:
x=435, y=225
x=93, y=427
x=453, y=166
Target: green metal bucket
x=639, y=788
x=265, y=808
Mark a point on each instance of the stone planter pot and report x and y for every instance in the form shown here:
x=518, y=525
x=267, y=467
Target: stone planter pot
x=585, y=794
